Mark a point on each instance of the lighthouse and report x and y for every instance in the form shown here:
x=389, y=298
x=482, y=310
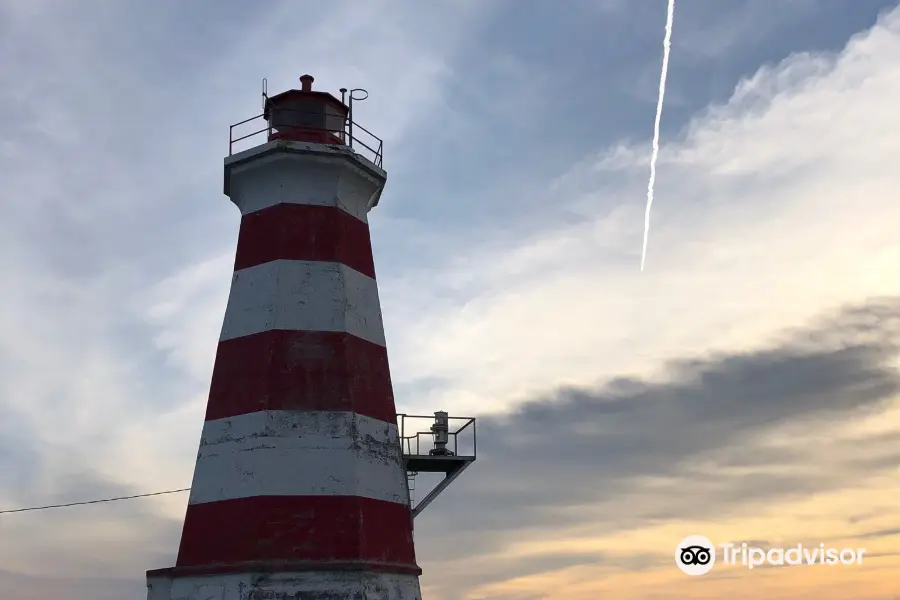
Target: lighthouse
x=300, y=488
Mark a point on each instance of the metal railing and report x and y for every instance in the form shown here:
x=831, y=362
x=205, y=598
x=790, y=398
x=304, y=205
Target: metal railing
x=412, y=443
x=344, y=130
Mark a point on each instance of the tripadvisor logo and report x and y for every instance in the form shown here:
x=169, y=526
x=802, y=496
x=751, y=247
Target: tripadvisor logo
x=696, y=555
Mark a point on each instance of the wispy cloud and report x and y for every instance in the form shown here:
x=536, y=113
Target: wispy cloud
x=621, y=389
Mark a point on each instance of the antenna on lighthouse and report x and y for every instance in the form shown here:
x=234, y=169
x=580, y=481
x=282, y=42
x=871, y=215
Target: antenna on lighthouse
x=358, y=98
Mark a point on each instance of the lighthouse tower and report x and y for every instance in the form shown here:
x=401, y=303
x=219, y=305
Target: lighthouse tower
x=300, y=486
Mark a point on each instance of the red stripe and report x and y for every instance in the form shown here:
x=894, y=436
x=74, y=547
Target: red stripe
x=304, y=232
x=297, y=528
x=301, y=370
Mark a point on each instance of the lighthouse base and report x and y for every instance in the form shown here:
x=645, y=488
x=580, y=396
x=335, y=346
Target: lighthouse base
x=169, y=584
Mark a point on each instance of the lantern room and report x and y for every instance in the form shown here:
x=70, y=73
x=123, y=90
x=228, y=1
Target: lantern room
x=306, y=116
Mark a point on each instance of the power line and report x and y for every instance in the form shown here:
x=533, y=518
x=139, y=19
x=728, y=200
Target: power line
x=30, y=508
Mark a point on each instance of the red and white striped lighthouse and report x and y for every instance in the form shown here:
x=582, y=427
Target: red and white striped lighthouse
x=299, y=489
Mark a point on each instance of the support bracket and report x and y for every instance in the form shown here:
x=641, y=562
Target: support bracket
x=452, y=474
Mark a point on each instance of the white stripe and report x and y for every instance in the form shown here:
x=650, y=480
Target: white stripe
x=303, y=296
x=312, y=174
x=311, y=584
x=293, y=453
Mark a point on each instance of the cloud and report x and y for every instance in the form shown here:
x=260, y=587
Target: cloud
x=772, y=208
x=28, y=587
x=712, y=437
x=96, y=550
x=114, y=122
x=758, y=232
x=112, y=195
x=754, y=229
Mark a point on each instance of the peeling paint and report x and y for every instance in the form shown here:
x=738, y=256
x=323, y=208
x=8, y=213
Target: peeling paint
x=299, y=453
x=303, y=296
x=302, y=176
x=315, y=585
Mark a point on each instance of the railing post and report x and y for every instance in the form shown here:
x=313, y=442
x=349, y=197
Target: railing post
x=350, y=122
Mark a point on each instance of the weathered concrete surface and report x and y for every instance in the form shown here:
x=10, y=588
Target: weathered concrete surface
x=290, y=453
x=301, y=370
x=303, y=173
x=302, y=295
x=315, y=585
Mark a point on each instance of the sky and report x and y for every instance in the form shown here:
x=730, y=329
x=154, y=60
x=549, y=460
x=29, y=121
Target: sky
x=744, y=387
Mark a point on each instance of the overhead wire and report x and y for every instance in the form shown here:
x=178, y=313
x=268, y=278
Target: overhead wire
x=48, y=506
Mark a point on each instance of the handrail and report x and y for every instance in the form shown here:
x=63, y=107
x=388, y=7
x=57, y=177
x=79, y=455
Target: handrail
x=373, y=146
x=406, y=441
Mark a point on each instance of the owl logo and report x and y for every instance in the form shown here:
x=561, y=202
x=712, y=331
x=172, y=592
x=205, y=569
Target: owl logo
x=695, y=555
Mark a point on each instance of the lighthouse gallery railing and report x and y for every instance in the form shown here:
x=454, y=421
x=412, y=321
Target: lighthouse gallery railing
x=350, y=133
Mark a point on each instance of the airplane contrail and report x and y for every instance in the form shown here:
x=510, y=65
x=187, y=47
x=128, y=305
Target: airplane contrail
x=667, y=44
